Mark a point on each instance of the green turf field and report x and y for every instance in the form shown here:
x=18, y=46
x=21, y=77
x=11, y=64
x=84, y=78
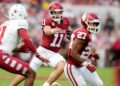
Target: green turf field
x=106, y=75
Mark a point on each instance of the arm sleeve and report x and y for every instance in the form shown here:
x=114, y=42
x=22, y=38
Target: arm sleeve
x=67, y=22
x=22, y=24
x=26, y=39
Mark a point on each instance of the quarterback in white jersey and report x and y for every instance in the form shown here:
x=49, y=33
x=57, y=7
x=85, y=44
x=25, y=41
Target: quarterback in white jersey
x=10, y=33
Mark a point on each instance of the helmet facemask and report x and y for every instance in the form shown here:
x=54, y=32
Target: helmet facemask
x=93, y=26
x=56, y=15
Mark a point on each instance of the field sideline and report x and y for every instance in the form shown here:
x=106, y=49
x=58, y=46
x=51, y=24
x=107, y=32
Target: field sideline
x=106, y=75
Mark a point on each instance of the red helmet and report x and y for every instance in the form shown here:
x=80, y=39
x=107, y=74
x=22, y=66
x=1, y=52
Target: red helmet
x=56, y=7
x=91, y=22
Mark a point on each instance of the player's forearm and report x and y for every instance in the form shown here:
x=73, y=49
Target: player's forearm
x=26, y=39
x=30, y=44
x=48, y=31
x=76, y=57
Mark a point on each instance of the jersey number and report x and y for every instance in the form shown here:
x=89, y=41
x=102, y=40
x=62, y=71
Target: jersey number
x=86, y=52
x=2, y=31
x=56, y=36
x=81, y=35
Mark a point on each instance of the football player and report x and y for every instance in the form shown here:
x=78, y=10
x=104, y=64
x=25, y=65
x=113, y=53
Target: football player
x=54, y=28
x=11, y=32
x=79, y=68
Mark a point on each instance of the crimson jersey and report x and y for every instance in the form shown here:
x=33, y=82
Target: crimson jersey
x=83, y=34
x=54, y=42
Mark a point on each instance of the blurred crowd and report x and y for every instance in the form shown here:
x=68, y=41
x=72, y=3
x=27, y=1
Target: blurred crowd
x=76, y=2
x=107, y=42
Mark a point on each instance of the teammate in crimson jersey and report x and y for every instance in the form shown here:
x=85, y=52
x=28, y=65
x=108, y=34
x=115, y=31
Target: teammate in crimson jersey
x=54, y=28
x=11, y=32
x=79, y=68
x=53, y=42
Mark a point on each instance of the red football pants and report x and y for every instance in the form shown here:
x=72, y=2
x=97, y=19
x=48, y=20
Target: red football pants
x=12, y=64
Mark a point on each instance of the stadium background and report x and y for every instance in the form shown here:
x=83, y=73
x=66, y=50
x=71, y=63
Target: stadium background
x=107, y=42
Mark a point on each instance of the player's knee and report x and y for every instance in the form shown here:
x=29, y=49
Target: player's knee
x=60, y=65
x=31, y=73
x=13, y=84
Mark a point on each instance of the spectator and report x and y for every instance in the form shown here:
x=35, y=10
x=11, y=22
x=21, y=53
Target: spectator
x=109, y=23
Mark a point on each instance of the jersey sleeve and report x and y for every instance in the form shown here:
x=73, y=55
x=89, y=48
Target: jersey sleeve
x=22, y=24
x=67, y=22
x=46, y=21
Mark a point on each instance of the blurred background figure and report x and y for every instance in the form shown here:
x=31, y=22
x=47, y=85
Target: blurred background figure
x=109, y=24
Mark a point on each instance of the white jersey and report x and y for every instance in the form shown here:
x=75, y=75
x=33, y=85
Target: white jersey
x=9, y=36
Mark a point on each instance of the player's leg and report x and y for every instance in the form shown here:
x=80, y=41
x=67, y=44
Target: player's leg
x=17, y=80
x=73, y=74
x=91, y=78
x=16, y=66
x=29, y=80
x=117, y=76
x=34, y=64
x=24, y=57
x=57, y=61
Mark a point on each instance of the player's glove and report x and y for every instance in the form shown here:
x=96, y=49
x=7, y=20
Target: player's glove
x=89, y=66
x=41, y=58
x=94, y=57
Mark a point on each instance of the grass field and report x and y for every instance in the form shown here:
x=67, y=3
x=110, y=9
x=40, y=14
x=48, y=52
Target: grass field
x=106, y=75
